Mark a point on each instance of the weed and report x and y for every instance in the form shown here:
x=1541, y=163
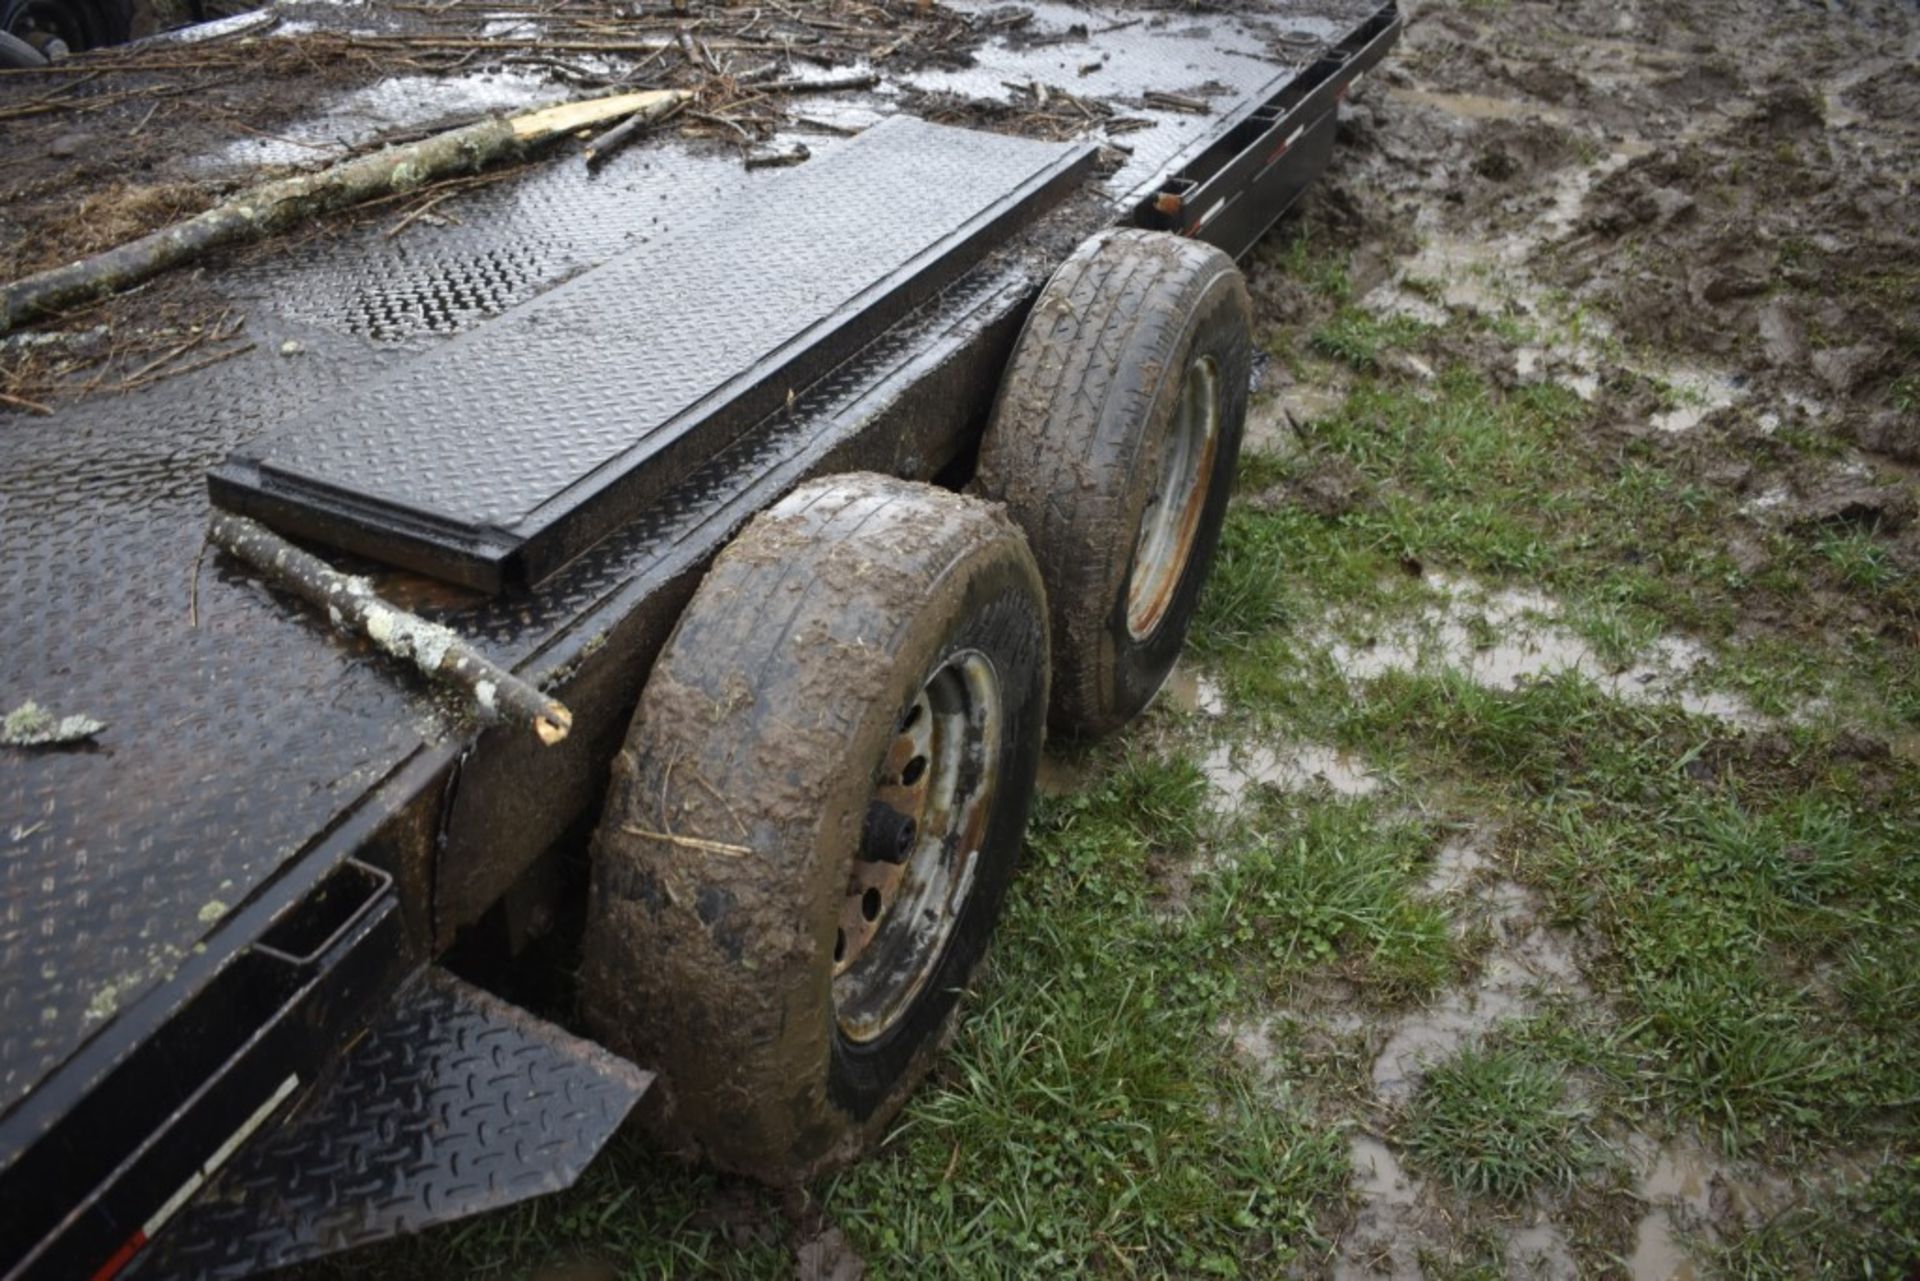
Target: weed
x=1498, y=1123
x=1356, y=338
x=1868, y=1229
x=1329, y=880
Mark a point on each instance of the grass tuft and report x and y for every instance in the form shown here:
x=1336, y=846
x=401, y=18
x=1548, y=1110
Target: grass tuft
x=1495, y=1122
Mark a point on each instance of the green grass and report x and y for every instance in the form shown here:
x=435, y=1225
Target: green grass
x=1330, y=882
x=1722, y=879
x=1905, y=393
x=1089, y=1119
x=1496, y=1122
x=1867, y=1229
x=1322, y=269
x=1357, y=338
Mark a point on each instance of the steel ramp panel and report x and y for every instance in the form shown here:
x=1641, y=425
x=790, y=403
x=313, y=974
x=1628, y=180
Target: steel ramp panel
x=504, y=454
x=453, y=1103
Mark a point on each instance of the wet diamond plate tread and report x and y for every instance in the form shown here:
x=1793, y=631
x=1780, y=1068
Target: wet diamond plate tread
x=514, y=426
x=454, y=1103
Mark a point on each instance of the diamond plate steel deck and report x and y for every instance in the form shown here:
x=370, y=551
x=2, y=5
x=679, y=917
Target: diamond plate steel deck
x=454, y=1103
x=524, y=442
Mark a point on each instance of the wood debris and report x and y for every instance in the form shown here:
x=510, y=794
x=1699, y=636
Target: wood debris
x=274, y=206
x=354, y=609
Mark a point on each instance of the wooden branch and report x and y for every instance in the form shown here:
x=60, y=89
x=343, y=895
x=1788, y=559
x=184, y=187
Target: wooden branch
x=274, y=206
x=353, y=609
x=826, y=85
x=621, y=134
x=538, y=126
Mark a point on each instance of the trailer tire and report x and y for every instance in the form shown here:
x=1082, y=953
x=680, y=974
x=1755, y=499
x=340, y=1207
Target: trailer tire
x=1129, y=381
x=17, y=55
x=766, y=930
x=79, y=24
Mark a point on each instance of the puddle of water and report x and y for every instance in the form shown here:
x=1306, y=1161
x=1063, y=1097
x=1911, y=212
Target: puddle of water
x=1377, y=1173
x=1571, y=187
x=1540, y=1250
x=1768, y=499
x=1474, y=106
x=1392, y=299
x=1702, y=392
x=1429, y=1035
x=1509, y=637
x=1457, y=865
x=1191, y=690
x=1268, y=431
x=1658, y=1254
x=1527, y=960
x=1574, y=367
x=396, y=103
x=1689, y=1188
x=1387, y=1233
x=1251, y=1042
x=1473, y=274
x=1234, y=769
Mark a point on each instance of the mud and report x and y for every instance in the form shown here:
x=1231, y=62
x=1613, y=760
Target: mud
x=1191, y=690
x=1718, y=251
x=1699, y=219
x=1237, y=771
x=1527, y=962
x=1692, y=1191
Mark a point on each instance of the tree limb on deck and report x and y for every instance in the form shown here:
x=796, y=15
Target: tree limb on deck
x=354, y=609
x=271, y=207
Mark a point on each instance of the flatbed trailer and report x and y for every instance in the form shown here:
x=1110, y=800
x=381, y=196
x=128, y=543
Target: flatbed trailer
x=225, y=1013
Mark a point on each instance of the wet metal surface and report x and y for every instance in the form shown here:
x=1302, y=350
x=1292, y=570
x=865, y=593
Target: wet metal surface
x=519, y=443
x=454, y=1103
x=1228, y=61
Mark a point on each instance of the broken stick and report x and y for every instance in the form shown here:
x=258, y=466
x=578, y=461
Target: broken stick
x=353, y=608
x=613, y=139
x=260, y=211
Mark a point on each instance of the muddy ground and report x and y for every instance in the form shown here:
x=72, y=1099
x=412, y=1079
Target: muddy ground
x=1699, y=221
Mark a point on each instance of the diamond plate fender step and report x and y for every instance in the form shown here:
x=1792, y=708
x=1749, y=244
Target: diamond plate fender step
x=504, y=454
x=453, y=1103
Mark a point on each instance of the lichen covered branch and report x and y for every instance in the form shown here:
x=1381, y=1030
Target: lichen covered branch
x=353, y=608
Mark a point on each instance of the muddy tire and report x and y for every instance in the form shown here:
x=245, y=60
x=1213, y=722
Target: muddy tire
x=17, y=55
x=811, y=828
x=1113, y=444
x=79, y=24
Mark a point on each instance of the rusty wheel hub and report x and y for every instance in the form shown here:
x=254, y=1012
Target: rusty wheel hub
x=921, y=841
x=1172, y=517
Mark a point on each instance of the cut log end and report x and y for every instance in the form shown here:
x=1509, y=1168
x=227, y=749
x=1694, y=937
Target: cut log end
x=552, y=724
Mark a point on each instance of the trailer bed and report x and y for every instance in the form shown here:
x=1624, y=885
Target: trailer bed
x=251, y=754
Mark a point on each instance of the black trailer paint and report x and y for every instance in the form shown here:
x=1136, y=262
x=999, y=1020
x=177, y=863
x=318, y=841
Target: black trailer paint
x=278, y=828
x=463, y=467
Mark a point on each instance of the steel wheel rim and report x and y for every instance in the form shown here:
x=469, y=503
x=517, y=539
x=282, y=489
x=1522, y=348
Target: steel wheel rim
x=938, y=775
x=1171, y=521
